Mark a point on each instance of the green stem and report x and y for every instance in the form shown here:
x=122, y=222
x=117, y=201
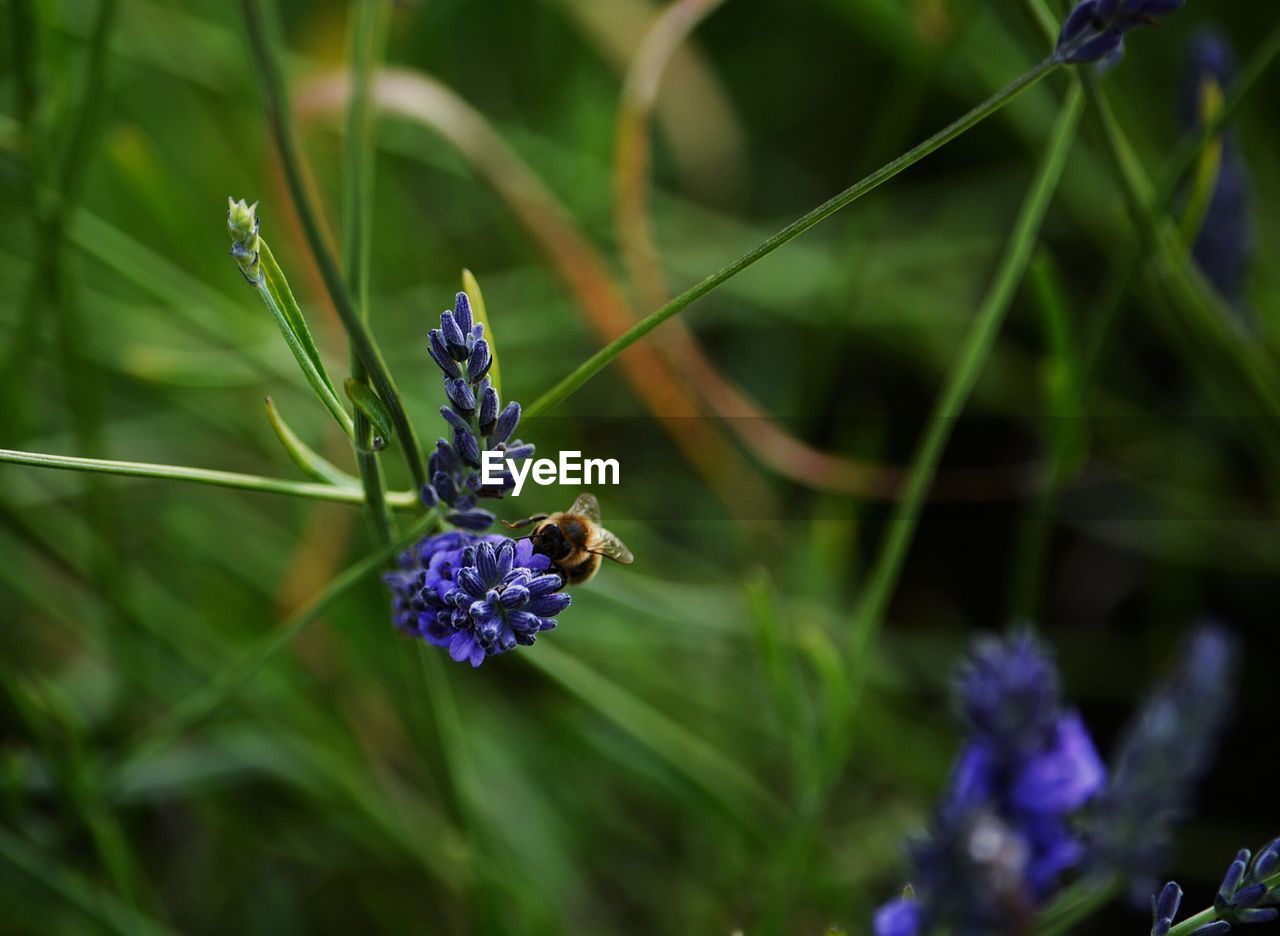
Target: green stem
x=1209, y=915
x=399, y=500
x=1175, y=170
x=594, y=364
x=367, y=36
x=1077, y=903
x=963, y=376
x=280, y=120
x=229, y=681
x=1201, y=322
x=273, y=288
x=306, y=458
x=794, y=851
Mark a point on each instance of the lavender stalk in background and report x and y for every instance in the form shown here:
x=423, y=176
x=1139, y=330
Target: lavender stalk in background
x=1224, y=243
x=1095, y=29
x=1165, y=751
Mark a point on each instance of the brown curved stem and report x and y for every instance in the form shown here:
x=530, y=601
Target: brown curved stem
x=580, y=266
x=767, y=439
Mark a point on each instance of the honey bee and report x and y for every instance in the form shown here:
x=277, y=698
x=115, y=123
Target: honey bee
x=574, y=540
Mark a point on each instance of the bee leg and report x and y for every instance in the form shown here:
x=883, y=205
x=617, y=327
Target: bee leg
x=525, y=522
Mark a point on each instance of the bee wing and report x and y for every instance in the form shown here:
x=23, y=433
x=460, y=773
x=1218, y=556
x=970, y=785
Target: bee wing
x=609, y=546
x=588, y=506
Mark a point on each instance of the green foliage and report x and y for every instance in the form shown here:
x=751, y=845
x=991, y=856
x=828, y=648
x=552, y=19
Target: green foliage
x=207, y=723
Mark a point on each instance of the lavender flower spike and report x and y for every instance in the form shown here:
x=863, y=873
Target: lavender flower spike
x=480, y=424
x=1162, y=755
x=1095, y=29
x=1225, y=242
x=1250, y=893
x=1002, y=834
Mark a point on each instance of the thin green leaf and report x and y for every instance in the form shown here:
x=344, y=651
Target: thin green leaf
x=598, y=361
x=266, y=63
x=278, y=285
x=368, y=36
x=400, y=500
x=481, y=314
x=691, y=755
x=960, y=382
x=372, y=408
x=311, y=463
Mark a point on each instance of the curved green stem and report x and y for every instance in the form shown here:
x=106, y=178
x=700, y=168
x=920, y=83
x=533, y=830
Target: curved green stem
x=869, y=612
x=598, y=361
x=278, y=116
x=309, y=461
x=963, y=377
x=399, y=500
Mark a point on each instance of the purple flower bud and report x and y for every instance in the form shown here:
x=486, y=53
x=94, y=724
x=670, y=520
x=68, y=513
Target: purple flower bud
x=489, y=413
x=506, y=423
x=462, y=312
x=899, y=917
x=1165, y=905
x=467, y=446
x=479, y=362
x=1095, y=29
x=549, y=605
x=518, y=451
x=454, y=338
x=440, y=354
x=461, y=396
x=1267, y=862
x=454, y=420
x=1235, y=874
x=444, y=487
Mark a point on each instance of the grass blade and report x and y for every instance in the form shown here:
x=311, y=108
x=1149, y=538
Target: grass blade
x=601, y=359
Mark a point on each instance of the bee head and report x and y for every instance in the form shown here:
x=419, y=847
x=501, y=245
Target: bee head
x=548, y=540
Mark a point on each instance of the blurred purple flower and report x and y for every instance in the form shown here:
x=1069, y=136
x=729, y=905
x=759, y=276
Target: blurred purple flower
x=1002, y=834
x=1166, y=749
x=1095, y=29
x=1224, y=244
x=899, y=917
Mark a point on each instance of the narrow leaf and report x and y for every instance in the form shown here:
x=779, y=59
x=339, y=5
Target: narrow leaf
x=372, y=408
x=481, y=315
x=313, y=464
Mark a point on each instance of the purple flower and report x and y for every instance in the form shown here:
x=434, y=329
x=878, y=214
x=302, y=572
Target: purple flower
x=479, y=422
x=1064, y=776
x=479, y=596
x=1009, y=692
x=1003, y=833
x=1249, y=894
x=1095, y=29
x=899, y=917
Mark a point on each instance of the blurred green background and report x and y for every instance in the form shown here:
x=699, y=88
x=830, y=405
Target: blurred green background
x=652, y=766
